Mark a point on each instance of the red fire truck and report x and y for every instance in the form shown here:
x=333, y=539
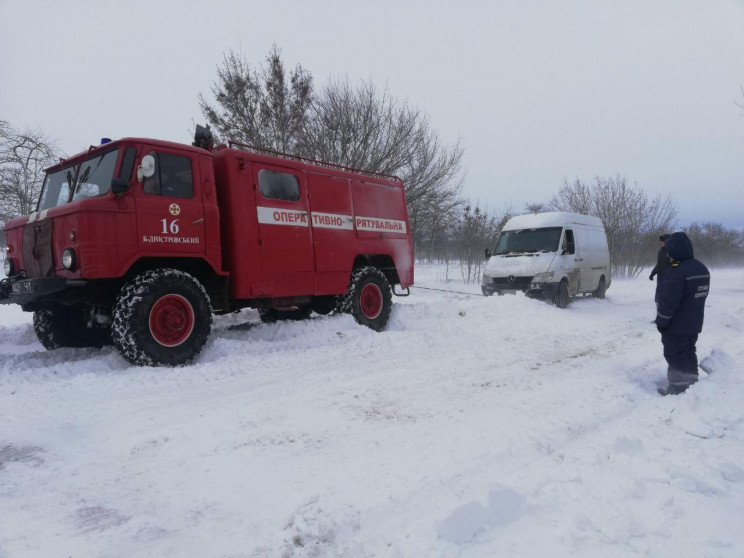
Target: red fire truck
x=138, y=242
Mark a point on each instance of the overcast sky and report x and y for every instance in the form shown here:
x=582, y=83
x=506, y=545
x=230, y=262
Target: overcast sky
x=537, y=91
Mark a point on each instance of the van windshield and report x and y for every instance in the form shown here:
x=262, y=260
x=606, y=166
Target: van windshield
x=528, y=241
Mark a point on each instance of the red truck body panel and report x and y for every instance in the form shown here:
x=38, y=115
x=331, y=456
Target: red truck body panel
x=306, y=246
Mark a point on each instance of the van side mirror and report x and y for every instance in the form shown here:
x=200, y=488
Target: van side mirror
x=570, y=248
x=488, y=253
x=119, y=186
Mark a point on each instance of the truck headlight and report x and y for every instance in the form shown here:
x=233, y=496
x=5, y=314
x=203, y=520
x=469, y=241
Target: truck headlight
x=486, y=279
x=69, y=260
x=545, y=277
x=9, y=267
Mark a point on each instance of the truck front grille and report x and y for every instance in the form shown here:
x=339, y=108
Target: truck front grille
x=37, y=249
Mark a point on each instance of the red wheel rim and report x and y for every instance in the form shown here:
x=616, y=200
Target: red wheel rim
x=371, y=301
x=171, y=320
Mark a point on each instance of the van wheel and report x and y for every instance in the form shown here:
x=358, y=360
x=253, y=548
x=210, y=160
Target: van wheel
x=601, y=288
x=368, y=298
x=66, y=326
x=161, y=318
x=561, y=297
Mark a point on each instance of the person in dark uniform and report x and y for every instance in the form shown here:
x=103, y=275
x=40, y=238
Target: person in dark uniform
x=662, y=264
x=680, y=312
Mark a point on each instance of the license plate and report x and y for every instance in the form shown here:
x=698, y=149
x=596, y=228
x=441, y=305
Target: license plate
x=22, y=287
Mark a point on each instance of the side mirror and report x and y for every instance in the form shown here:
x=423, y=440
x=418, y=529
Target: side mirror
x=119, y=186
x=147, y=168
x=488, y=253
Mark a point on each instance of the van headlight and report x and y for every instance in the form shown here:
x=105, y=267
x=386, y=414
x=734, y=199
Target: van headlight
x=486, y=279
x=69, y=260
x=546, y=277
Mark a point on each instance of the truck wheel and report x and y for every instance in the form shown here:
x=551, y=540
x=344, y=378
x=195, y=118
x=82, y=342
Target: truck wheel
x=561, y=296
x=368, y=298
x=161, y=318
x=66, y=326
x=601, y=288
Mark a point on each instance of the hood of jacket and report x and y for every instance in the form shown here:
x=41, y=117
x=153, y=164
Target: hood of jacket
x=679, y=247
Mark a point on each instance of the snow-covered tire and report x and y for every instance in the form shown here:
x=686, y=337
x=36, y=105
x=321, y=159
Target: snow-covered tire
x=161, y=318
x=66, y=326
x=368, y=298
x=562, y=298
x=601, y=288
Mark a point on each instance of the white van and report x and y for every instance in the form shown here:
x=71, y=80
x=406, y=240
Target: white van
x=553, y=255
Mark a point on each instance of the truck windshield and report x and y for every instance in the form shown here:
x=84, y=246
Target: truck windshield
x=56, y=189
x=94, y=176
x=528, y=241
x=89, y=179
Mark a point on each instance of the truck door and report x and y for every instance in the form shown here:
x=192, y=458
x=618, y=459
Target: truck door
x=170, y=213
x=332, y=222
x=285, y=237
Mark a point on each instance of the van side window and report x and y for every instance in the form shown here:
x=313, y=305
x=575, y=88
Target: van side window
x=569, y=246
x=172, y=178
x=278, y=185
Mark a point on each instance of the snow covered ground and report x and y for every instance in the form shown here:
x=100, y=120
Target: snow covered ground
x=472, y=427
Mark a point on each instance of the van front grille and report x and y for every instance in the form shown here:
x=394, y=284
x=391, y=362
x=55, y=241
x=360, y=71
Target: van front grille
x=512, y=282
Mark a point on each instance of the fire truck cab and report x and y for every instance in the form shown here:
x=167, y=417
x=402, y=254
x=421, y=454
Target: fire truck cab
x=138, y=242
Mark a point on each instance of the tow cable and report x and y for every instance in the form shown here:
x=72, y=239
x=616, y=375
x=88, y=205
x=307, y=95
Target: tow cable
x=446, y=291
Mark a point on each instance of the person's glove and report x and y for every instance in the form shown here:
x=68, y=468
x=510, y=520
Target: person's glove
x=660, y=329
x=651, y=277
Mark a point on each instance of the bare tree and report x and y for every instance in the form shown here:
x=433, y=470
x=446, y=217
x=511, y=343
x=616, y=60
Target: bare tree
x=717, y=245
x=536, y=208
x=476, y=230
x=264, y=107
x=361, y=127
x=631, y=220
x=367, y=128
x=24, y=154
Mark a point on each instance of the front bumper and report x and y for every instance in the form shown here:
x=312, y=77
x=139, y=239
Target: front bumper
x=543, y=291
x=35, y=291
x=510, y=284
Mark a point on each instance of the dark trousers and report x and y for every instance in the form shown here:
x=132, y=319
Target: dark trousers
x=658, y=289
x=679, y=352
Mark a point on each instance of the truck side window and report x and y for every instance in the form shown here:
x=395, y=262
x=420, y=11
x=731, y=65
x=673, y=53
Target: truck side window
x=278, y=185
x=173, y=177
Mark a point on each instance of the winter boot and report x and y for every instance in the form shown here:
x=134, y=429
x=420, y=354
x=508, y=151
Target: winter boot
x=672, y=389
